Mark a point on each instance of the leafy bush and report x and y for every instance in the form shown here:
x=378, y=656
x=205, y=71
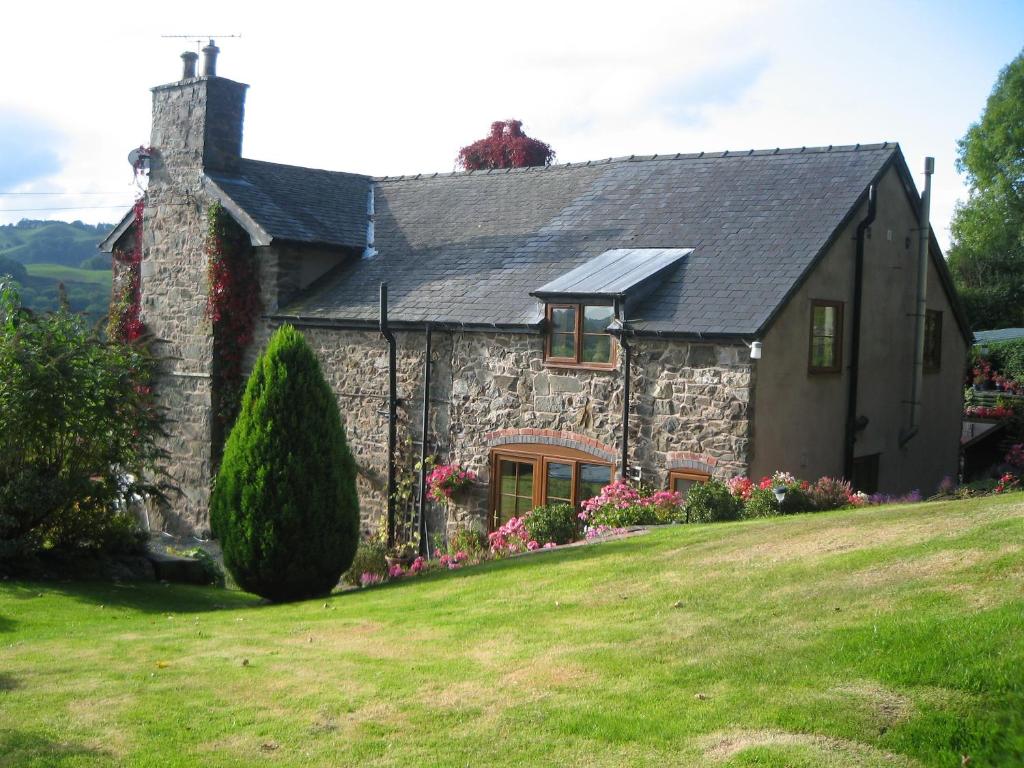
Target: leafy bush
x=284, y=505
x=554, y=522
x=666, y=506
x=369, y=558
x=711, y=502
x=830, y=493
x=79, y=428
x=761, y=503
x=619, y=505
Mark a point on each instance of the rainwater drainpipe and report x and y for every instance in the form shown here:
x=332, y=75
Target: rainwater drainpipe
x=392, y=409
x=917, y=381
x=858, y=294
x=627, y=356
x=423, y=446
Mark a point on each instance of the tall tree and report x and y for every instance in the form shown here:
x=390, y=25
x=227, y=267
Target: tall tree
x=506, y=147
x=987, y=254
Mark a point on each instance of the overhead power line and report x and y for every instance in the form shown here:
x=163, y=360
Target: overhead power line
x=68, y=194
x=66, y=208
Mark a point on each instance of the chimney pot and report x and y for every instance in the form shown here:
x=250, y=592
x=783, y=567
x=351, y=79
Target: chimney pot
x=189, y=59
x=210, y=60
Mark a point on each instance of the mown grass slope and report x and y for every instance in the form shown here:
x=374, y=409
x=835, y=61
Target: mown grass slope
x=880, y=637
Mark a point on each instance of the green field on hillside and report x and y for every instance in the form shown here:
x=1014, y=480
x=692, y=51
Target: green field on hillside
x=59, y=272
x=886, y=636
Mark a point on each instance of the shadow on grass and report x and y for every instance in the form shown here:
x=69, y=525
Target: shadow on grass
x=22, y=748
x=6, y=624
x=145, y=597
x=8, y=682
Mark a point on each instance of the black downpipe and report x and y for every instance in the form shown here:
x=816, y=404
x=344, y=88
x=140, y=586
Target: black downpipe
x=392, y=409
x=858, y=291
x=627, y=356
x=423, y=446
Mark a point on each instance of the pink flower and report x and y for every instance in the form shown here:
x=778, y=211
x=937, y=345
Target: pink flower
x=395, y=571
x=370, y=579
x=417, y=565
x=532, y=545
x=550, y=545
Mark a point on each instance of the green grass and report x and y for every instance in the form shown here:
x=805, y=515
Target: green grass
x=100, y=277
x=879, y=637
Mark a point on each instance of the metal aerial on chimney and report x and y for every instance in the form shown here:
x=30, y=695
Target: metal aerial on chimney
x=209, y=51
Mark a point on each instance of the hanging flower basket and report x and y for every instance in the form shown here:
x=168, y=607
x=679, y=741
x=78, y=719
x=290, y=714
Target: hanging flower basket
x=446, y=482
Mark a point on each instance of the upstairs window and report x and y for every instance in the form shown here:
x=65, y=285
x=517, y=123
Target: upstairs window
x=577, y=335
x=826, y=355
x=932, y=339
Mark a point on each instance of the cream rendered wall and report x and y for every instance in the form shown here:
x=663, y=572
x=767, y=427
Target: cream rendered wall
x=799, y=417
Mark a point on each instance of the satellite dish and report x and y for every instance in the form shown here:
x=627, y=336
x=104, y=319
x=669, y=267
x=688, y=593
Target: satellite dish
x=139, y=159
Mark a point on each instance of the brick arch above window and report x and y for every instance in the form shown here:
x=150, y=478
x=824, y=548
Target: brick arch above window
x=695, y=461
x=556, y=437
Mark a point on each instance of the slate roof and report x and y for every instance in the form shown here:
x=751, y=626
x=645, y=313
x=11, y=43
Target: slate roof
x=997, y=335
x=468, y=248
x=305, y=205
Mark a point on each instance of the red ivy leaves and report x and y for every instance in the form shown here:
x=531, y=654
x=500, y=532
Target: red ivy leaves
x=232, y=304
x=506, y=147
x=125, y=324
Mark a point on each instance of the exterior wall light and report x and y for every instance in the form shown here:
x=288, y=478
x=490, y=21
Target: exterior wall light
x=755, y=350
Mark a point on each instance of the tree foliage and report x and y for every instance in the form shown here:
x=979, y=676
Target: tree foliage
x=79, y=429
x=284, y=505
x=506, y=147
x=987, y=254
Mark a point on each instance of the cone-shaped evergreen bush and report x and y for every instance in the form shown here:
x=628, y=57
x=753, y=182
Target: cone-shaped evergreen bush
x=284, y=505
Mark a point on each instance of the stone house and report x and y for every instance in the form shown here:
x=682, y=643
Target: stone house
x=673, y=317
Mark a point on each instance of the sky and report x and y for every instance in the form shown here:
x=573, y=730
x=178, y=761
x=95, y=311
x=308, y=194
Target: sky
x=388, y=88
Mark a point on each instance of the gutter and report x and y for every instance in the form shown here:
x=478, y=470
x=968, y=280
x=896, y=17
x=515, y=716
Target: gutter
x=852, y=422
x=385, y=331
x=423, y=446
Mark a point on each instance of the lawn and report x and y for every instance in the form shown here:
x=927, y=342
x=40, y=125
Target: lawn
x=889, y=636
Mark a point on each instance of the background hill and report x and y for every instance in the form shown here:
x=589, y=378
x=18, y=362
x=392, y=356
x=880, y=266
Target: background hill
x=40, y=255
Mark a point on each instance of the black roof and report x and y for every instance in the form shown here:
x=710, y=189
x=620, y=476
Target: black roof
x=468, y=248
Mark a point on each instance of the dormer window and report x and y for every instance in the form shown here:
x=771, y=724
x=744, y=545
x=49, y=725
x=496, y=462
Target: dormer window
x=577, y=335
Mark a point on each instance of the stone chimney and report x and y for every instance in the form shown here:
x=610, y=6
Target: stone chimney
x=197, y=121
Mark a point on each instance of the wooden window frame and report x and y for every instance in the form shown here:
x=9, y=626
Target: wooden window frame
x=933, y=365
x=837, y=366
x=540, y=456
x=687, y=474
x=578, y=335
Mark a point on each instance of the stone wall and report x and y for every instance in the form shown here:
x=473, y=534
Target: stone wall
x=689, y=400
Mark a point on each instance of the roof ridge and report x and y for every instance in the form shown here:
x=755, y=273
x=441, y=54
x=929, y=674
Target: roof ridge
x=307, y=168
x=717, y=155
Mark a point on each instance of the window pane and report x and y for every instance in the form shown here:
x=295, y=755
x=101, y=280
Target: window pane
x=506, y=507
x=563, y=319
x=563, y=345
x=559, y=486
x=525, y=480
x=507, y=472
x=824, y=353
x=597, y=349
x=593, y=477
x=596, y=319
x=824, y=321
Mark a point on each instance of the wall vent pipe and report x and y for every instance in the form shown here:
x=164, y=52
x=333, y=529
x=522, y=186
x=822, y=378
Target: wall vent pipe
x=385, y=331
x=422, y=507
x=920, y=305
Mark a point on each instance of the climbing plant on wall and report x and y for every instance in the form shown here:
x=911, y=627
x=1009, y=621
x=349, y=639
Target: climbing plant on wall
x=124, y=323
x=233, y=304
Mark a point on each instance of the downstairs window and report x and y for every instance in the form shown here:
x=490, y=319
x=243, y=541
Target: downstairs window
x=528, y=476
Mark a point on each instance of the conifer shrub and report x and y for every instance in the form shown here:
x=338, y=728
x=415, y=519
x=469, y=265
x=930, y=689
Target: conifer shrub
x=284, y=505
